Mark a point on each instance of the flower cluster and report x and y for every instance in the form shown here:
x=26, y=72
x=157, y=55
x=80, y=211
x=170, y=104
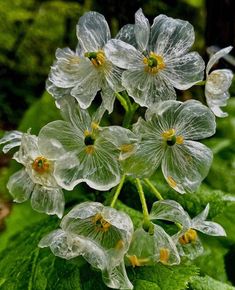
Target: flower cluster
x=145, y=63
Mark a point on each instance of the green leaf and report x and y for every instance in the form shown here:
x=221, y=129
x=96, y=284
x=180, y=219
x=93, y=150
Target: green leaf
x=162, y=277
x=208, y=283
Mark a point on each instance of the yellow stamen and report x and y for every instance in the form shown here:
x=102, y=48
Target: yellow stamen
x=188, y=237
x=94, y=125
x=164, y=255
x=87, y=133
x=41, y=165
x=153, y=63
x=171, y=181
x=97, y=58
x=101, y=224
x=119, y=245
x=137, y=262
x=168, y=134
x=90, y=149
x=179, y=140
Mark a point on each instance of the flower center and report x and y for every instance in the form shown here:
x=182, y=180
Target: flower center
x=97, y=58
x=188, y=237
x=136, y=261
x=89, y=141
x=41, y=165
x=153, y=63
x=171, y=139
x=100, y=223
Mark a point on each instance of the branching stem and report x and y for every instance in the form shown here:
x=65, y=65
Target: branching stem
x=118, y=190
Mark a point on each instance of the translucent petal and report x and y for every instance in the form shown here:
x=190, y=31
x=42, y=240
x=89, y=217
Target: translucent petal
x=99, y=169
x=92, y=31
x=191, y=250
x=142, y=30
x=28, y=149
x=53, y=144
x=149, y=151
x=210, y=228
x=219, y=81
x=108, y=98
x=147, y=89
x=20, y=186
x=165, y=249
x=48, y=200
x=56, y=92
x=61, y=244
x=117, y=277
x=185, y=166
x=123, y=139
x=171, y=37
x=113, y=77
x=194, y=121
x=183, y=72
x=142, y=249
x=64, y=71
x=201, y=216
x=216, y=57
x=123, y=54
x=127, y=34
x=13, y=138
x=170, y=210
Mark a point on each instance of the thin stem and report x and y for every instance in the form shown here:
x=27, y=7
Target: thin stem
x=142, y=199
x=201, y=83
x=118, y=190
x=153, y=188
x=122, y=101
x=129, y=115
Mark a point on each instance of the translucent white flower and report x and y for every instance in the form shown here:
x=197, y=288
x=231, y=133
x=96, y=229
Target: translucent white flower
x=187, y=240
x=11, y=140
x=168, y=137
x=100, y=234
x=218, y=83
x=85, y=72
x=159, y=62
x=36, y=179
x=88, y=153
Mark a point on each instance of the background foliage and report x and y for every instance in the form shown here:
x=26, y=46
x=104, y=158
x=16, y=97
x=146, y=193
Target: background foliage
x=30, y=32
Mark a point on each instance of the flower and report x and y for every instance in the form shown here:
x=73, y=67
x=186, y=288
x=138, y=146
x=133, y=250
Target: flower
x=37, y=178
x=87, y=70
x=100, y=234
x=160, y=61
x=88, y=153
x=217, y=84
x=187, y=240
x=168, y=137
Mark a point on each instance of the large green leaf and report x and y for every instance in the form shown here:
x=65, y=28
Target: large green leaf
x=208, y=283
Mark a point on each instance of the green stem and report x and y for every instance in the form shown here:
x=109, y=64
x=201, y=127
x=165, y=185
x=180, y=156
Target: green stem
x=142, y=199
x=153, y=188
x=122, y=101
x=118, y=190
x=129, y=115
x=201, y=83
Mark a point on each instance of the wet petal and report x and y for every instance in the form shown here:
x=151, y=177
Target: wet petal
x=191, y=250
x=194, y=121
x=183, y=72
x=142, y=30
x=185, y=166
x=146, y=89
x=48, y=200
x=20, y=186
x=108, y=98
x=54, y=144
x=149, y=151
x=201, y=216
x=165, y=249
x=56, y=92
x=219, y=81
x=92, y=31
x=64, y=71
x=13, y=138
x=210, y=228
x=117, y=277
x=170, y=210
x=123, y=54
x=127, y=34
x=171, y=37
x=216, y=57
